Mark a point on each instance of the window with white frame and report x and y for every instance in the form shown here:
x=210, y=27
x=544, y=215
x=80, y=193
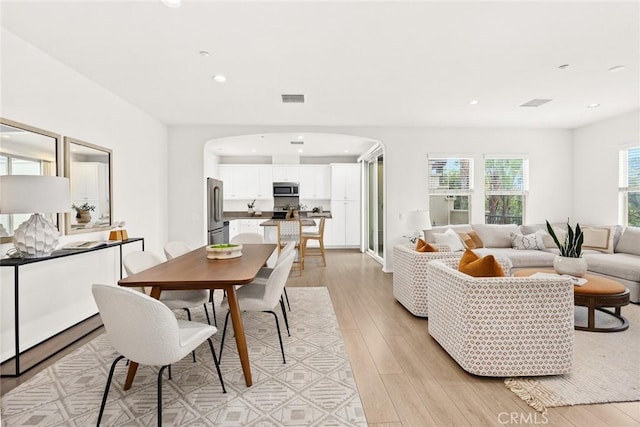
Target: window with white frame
x=629, y=186
x=450, y=186
x=505, y=189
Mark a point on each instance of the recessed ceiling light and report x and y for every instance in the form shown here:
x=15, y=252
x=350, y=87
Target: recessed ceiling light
x=254, y=150
x=172, y=3
x=300, y=136
x=564, y=66
x=474, y=102
x=204, y=53
x=594, y=105
x=299, y=151
x=346, y=151
x=220, y=78
x=617, y=68
x=6, y=136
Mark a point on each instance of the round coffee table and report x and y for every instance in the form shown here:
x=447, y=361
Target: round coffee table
x=597, y=293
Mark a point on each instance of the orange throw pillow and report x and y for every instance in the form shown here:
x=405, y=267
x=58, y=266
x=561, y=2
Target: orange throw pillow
x=473, y=265
x=467, y=240
x=476, y=239
x=423, y=246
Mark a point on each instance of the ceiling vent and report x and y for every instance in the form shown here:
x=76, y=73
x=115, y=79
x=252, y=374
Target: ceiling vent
x=297, y=142
x=296, y=99
x=536, y=102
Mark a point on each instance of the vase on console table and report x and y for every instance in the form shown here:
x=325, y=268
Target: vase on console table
x=576, y=267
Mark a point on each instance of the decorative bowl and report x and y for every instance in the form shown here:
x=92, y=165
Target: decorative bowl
x=224, y=251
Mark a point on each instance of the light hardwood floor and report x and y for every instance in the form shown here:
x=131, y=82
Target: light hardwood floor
x=403, y=376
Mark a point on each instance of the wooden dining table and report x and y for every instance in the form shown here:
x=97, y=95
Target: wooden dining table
x=194, y=270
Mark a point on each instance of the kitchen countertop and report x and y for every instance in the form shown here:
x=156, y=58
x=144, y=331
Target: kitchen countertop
x=266, y=215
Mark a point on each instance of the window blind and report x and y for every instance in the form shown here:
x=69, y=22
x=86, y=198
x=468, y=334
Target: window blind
x=505, y=176
x=450, y=175
x=629, y=170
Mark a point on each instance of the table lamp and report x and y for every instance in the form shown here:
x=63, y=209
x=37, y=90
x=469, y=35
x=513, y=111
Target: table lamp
x=33, y=194
x=416, y=222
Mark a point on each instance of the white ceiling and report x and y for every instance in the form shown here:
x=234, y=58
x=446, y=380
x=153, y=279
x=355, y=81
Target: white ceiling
x=397, y=63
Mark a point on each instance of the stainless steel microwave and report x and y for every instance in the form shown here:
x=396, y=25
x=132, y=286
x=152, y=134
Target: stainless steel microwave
x=286, y=189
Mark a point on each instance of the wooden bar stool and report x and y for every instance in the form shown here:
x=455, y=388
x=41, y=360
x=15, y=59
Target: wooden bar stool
x=317, y=235
x=291, y=231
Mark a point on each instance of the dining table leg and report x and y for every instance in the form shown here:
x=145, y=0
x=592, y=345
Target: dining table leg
x=133, y=366
x=238, y=328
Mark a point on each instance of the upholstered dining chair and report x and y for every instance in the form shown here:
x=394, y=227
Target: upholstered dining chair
x=290, y=231
x=144, y=330
x=264, y=297
x=264, y=273
x=247, y=238
x=176, y=248
x=313, y=235
x=138, y=261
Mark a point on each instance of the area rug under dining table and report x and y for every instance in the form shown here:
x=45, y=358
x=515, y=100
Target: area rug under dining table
x=606, y=368
x=315, y=386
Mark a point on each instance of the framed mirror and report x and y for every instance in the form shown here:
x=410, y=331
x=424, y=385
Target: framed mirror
x=89, y=170
x=27, y=150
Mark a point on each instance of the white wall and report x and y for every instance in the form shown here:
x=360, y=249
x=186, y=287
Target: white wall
x=595, y=175
x=40, y=91
x=406, y=152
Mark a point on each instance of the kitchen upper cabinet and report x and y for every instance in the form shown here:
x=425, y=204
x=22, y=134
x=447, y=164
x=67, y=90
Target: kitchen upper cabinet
x=345, y=181
x=286, y=173
x=246, y=182
x=315, y=182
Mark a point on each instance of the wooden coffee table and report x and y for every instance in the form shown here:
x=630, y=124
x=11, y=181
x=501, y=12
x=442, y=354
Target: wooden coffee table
x=598, y=293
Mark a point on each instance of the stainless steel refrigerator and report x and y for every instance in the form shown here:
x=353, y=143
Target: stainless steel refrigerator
x=216, y=230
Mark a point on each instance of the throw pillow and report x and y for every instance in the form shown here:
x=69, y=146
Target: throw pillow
x=598, y=239
x=476, y=239
x=496, y=236
x=473, y=265
x=449, y=238
x=423, y=246
x=547, y=240
x=629, y=241
x=467, y=240
x=531, y=241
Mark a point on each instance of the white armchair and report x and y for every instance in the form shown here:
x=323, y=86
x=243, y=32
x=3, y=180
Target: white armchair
x=502, y=326
x=410, y=275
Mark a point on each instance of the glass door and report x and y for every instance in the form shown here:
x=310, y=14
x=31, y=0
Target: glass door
x=375, y=204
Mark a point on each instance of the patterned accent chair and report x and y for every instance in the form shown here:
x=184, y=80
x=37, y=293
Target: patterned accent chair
x=502, y=326
x=410, y=275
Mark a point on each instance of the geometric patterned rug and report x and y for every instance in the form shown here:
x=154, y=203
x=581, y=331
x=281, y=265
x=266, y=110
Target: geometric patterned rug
x=314, y=388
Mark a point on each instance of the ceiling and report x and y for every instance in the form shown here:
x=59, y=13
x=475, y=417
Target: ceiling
x=358, y=63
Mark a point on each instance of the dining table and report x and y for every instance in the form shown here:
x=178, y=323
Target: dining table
x=194, y=270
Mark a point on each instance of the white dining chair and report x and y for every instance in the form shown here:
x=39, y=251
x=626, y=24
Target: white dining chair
x=264, y=297
x=138, y=261
x=247, y=238
x=174, y=249
x=145, y=331
x=263, y=274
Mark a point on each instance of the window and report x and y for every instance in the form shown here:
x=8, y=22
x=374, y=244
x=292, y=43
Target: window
x=505, y=189
x=629, y=186
x=450, y=185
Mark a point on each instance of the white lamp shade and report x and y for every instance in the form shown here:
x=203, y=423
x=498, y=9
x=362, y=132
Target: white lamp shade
x=34, y=194
x=418, y=220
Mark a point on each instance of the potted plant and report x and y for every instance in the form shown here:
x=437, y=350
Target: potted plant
x=570, y=260
x=82, y=212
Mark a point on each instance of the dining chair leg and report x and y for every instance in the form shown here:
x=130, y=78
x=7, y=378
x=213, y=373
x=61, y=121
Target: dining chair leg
x=207, y=313
x=287, y=298
x=160, y=395
x=106, y=389
x=215, y=361
x=169, y=370
x=213, y=308
x=284, y=315
x=224, y=333
x=279, y=334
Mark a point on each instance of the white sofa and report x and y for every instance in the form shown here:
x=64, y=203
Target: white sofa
x=501, y=326
x=623, y=265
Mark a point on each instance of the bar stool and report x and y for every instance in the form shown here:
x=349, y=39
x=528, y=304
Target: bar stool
x=317, y=235
x=291, y=231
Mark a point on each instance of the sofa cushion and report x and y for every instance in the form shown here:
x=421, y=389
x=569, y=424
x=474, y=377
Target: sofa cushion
x=475, y=266
x=496, y=236
x=449, y=238
x=531, y=241
x=423, y=246
x=598, y=238
x=624, y=266
x=522, y=259
x=629, y=242
x=429, y=234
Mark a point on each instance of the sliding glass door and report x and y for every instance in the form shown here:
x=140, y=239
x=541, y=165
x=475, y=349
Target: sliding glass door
x=374, y=164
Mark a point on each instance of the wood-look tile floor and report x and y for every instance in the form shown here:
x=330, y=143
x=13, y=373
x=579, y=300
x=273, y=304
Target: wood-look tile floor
x=403, y=376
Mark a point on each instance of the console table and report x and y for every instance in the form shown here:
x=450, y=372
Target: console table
x=17, y=263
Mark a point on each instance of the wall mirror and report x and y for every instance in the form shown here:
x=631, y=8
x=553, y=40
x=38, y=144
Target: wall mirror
x=89, y=170
x=26, y=150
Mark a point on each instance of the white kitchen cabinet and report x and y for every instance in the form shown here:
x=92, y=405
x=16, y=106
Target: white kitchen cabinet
x=246, y=182
x=345, y=181
x=282, y=173
x=315, y=182
x=343, y=229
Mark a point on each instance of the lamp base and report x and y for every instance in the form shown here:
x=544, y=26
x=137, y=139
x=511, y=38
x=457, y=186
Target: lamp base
x=37, y=237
